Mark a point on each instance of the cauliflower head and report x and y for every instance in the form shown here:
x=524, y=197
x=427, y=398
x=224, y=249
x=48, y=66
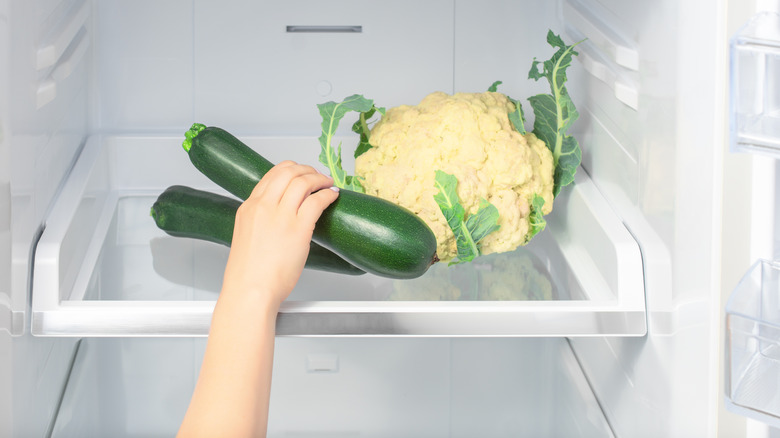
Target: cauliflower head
x=468, y=135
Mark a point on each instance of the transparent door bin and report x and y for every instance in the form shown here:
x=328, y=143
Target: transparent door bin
x=753, y=345
x=755, y=85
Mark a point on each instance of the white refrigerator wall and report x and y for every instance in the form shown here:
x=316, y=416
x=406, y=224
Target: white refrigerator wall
x=43, y=122
x=649, y=83
x=666, y=383
x=232, y=64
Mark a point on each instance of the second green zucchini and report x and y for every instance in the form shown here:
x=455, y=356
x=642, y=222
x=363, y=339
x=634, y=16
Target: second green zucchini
x=182, y=211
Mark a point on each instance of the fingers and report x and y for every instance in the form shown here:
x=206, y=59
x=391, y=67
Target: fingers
x=275, y=181
x=290, y=186
x=300, y=187
x=312, y=207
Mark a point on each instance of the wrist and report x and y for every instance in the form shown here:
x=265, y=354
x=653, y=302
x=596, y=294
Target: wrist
x=250, y=305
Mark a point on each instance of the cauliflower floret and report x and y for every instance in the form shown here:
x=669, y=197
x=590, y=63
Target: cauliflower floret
x=470, y=136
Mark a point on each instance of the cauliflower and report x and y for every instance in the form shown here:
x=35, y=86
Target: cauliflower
x=470, y=136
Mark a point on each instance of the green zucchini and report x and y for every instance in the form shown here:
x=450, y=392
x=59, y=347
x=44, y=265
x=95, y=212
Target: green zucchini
x=373, y=234
x=186, y=212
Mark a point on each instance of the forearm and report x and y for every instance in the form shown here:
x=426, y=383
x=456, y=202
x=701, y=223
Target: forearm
x=271, y=240
x=232, y=393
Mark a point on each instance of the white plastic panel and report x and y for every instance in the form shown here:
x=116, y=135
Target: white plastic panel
x=39, y=140
x=65, y=27
x=660, y=168
x=236, y=62
x=143, y=64
x=10, y=317
x=261, y=74
x=624, y=89
x=43, y=116
x=592, y=21
x=61, y=41
x=498, y=40
x=381, y=388
x=102, y=267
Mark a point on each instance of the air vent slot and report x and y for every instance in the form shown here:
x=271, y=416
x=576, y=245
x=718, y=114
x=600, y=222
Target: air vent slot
x=324, y=29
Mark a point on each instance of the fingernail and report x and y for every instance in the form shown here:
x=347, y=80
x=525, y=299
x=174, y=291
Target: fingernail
x=335, y=189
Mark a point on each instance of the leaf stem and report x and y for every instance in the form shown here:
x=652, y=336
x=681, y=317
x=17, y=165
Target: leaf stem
x=329, y=145
x=558, y=107
x=470, y=240
x=364, y=124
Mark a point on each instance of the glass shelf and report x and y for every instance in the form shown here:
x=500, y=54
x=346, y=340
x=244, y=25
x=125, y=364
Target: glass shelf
x=103, y=268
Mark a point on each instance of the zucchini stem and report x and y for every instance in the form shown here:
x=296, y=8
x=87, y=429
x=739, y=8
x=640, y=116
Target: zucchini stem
x=192, y=133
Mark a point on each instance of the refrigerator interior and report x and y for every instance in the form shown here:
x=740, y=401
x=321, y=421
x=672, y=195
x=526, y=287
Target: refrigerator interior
x=619, y=332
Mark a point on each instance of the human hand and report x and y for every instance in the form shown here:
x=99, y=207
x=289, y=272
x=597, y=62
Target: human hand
x=273, y=230
x=271, y=239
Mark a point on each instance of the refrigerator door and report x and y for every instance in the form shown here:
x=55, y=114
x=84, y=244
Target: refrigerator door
x=752, y=320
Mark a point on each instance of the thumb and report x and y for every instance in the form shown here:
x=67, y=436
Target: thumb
x=312, y=207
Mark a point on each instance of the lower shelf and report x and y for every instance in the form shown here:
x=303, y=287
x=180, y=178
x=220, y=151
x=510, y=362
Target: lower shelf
x=102, y=268
x=385, y=387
